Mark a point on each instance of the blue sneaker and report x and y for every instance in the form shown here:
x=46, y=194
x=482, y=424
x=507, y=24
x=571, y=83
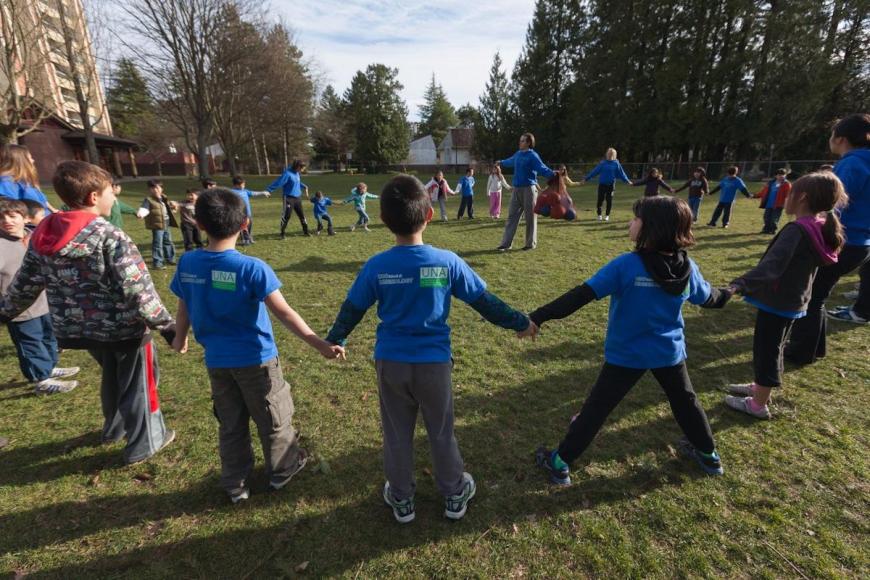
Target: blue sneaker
x=709, y=463
x=544, y=460
x=403, y=510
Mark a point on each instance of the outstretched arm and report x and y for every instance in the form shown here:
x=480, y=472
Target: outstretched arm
x=564, y=305
x=278, y=306
x=348, y=317
x=494, y=310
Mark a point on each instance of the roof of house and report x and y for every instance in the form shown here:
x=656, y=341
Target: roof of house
x=425, y=142
x=459, y=138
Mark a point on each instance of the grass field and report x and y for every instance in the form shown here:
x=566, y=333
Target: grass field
x=794, y=501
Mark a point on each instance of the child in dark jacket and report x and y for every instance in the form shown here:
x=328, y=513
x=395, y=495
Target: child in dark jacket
x=652, y=182
x=644, y=332
x=780, y=285
x=698, y=188
x=773, y=196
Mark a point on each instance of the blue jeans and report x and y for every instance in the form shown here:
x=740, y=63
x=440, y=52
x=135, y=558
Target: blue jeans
x=162, y=247
x=36, y=347
x=771, y=219
x=695, y=205
x=363, y=217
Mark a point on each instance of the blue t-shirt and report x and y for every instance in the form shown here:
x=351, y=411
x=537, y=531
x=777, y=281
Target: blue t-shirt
x=224, y=294
x=21, y=191
x=320, y=206
x=771, y=194
x=853, y=169
x=608, y=171
x=527, y=165
x=413, y=286
x=290, y=183
x=729, y=187
x=246, y=195
x=645, y=325
x=466, y=186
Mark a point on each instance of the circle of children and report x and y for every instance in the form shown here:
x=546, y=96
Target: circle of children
x=79, y=282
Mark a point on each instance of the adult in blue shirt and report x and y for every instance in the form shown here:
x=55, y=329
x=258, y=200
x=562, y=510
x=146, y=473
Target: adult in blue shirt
x=291, y=184
x=527, y=165
x=608, y=171
x=850, y=140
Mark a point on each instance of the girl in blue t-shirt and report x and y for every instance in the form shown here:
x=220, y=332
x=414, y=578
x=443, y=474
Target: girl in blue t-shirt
x=644, y=332
x=18, y=177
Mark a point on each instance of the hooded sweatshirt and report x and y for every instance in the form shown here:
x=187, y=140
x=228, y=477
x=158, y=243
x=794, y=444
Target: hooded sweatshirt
x=608, y=171
x=853, y=169
x=12, y=251
x=782, y=281
x=98, y=288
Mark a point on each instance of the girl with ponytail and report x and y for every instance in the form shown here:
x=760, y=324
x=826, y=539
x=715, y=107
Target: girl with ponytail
x=780, y=285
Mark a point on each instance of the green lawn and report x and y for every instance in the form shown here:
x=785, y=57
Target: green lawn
x=793, y=501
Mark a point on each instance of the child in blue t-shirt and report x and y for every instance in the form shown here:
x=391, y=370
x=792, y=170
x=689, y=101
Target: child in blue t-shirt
x=413, y=284
x=644, y=332
x=466, y=188
x=728, y=189
x=226, y=298
x=321, y=213
x=240, y=189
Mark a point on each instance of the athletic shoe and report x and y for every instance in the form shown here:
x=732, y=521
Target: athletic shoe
x=156, y=267
x=838, y=308
x=503, y=248
x=846, y=315
x=168, y=438
x=279, y=484
x=352, y=228
x=544, y=460
x=851, y=295
x=240, y=496
x=743, y=389
x=53, y=387
x=725, y=226
x=317, y=233
x=62, y=373
x=742, y=404
x=711, y=225
x=607, y=218
x=711, y=464
x=366, y=228
x=455, y=506
x=403, y=510
x=601, y=218
x=527, y=248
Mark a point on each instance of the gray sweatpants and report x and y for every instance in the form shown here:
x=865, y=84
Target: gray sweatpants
x=405, y=389
x=260, y=393
x=522, y=202
x=131, y=406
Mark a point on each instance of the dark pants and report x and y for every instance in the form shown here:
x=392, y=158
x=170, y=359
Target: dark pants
x=190, y=235
x=128, y=393
x=291, y=205
x=723, y=209
x=771, y=219
x=695, y=206
x=260, y=393
x=162, y=247
x=467, y=202
x=605, y=192
x=325, y=218
x=808, y=333
x=614, y=382
x=247, y=234
x=36, y=347
x=768, y=343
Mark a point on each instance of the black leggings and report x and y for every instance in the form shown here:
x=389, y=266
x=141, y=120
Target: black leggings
x=768, y=343
x=614, y=382
x=293, y=204
x=808, y=333
x=605, y=192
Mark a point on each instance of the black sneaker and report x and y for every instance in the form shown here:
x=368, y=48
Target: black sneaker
x=711, y=464
x=544, y=459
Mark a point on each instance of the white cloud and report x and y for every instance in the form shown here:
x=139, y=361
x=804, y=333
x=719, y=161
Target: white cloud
x=455, y=39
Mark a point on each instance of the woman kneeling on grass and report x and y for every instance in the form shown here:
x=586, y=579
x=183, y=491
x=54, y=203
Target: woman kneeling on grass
x=644, y=332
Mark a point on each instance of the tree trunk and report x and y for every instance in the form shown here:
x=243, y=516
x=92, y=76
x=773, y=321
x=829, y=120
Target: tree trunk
x=286, y=159
x=202, y=154
x=266, y=156
x=256, y=151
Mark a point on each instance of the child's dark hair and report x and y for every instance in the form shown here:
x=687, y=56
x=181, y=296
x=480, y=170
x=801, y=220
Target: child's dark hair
x=781, y=171
x=667, y=224
x=33, y=207
x=116, y=182
x=152, y=183
x=73, y=181
x=404, y=205
x=207, y=183
x=220, y=212
x=298, y=165
x=654, y=172
x=318, y=193
x=701, y=170
x=469, y=170
x=826, y=167
x=238, y=180
x=733, y=170
x=855, y=129
x=8, y=206
x=192, y=190
x=824, y=192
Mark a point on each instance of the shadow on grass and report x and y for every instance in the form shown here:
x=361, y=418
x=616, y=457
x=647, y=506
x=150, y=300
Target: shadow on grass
x=319, y=264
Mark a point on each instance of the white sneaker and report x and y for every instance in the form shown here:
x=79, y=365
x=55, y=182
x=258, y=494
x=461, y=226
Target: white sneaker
x=62, y=373
x=742, y=404
x=352, y=228
x=744, y=389
x=600, y=218
x=366, y=228
x=607, y=218
x=240, y=496
x=53, y=387
x=851, y=295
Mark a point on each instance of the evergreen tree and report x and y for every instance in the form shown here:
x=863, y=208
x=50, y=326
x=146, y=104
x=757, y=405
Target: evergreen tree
x=130, y=103
x=492, y=132
x=331, y=131
x=468, y=116
x=378, y=117
x=436, y=113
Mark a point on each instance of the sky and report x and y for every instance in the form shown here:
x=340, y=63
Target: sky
x=454, y=39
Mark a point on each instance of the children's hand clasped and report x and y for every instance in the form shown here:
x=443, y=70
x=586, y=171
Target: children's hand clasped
x=531, y=332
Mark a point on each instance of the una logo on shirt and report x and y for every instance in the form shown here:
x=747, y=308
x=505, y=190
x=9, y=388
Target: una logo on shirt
x=435, y=277
x=223, y=280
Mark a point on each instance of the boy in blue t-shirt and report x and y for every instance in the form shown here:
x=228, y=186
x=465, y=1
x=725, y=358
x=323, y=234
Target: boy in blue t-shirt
x=413, y=284
x=321, y=213
x=647, y=289
x=728, y=189
x=240, y=189
x=466, y=188
x=224, y=296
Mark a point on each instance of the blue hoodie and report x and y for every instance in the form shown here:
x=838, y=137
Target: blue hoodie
x=728, y=189
x=608, y=170
x=291, y=183
x=527, y=165
x=853, y=169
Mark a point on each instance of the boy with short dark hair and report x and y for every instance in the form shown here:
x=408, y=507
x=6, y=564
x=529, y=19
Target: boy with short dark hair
x=30, y=331
x=102, y=300
x=729, y=186
x=466, y=188
x=240, y=189
x=189, y=229
x=773, y=196
x=35, y=214
x=159, y=218
x=226, y=297
x=208, y=183
x=413, y=284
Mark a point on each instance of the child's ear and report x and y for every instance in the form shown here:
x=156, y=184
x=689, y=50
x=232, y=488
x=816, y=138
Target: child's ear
x=430, y=213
